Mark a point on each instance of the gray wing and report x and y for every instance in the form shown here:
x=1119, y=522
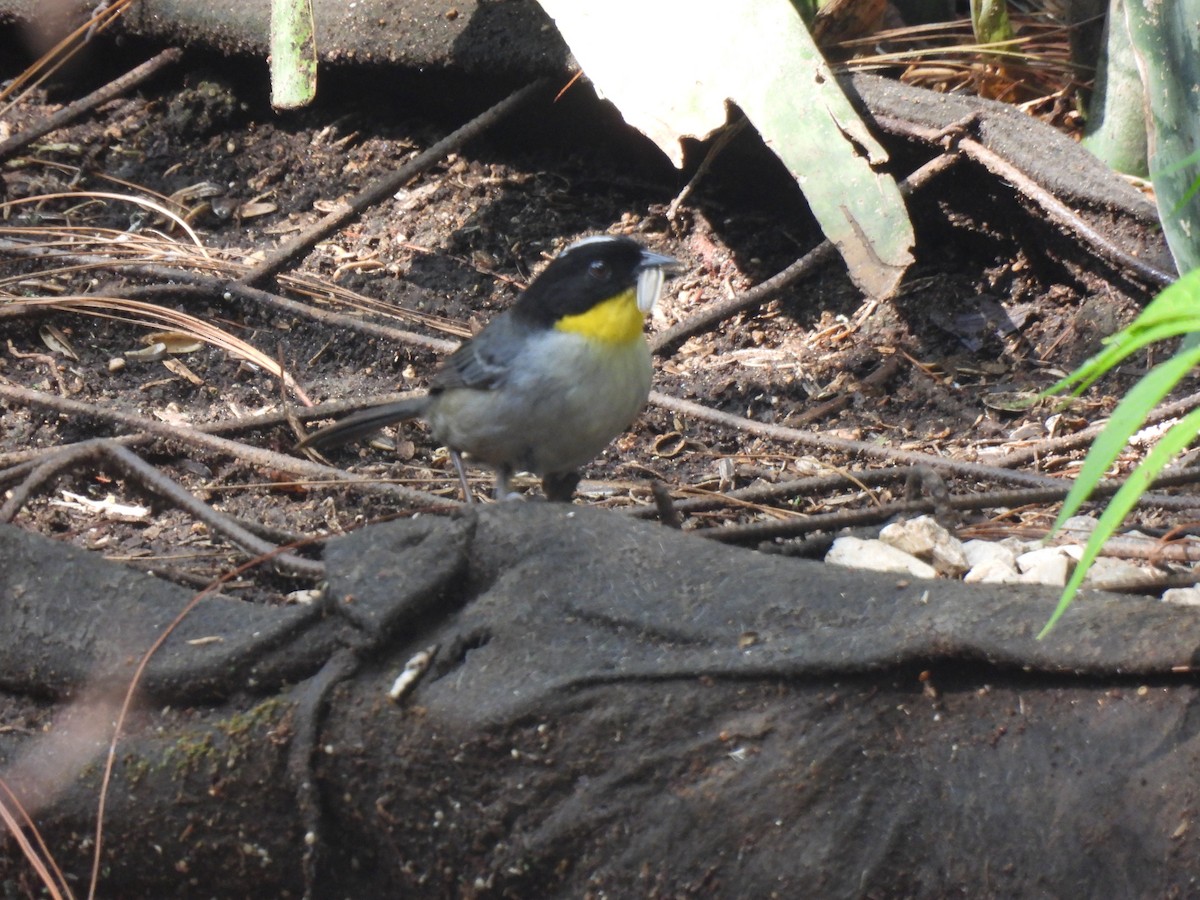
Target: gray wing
x=483, y=362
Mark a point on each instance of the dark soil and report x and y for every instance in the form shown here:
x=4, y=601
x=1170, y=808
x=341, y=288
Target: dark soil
x=605, y=745
x=997, y=301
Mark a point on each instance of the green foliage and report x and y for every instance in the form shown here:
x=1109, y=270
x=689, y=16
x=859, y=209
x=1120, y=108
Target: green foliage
x=806, y=8
x=1174, y=312
x=1187, y=163
x=293, y=54
x=1147, y=79
x=1116, y=123
x=989, y=20
x=1166, y=43
x=759, y=56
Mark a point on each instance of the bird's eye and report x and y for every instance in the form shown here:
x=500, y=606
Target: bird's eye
x=599, y=269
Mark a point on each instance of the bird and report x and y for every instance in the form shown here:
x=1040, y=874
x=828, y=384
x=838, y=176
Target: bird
x=549, y=382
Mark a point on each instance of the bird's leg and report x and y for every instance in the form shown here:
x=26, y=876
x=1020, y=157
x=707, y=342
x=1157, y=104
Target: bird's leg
x=503, y=489
x=462, y=475
x=560, y=486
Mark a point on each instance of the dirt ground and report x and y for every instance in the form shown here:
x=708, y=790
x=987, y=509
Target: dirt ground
x=605, y=747
x=996, y=303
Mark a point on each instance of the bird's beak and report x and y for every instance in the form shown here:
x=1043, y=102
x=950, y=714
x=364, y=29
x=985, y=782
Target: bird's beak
x=652, y=272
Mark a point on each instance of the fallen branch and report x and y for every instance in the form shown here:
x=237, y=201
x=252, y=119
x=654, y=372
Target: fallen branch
x=1054, y=209
x=800, y=525
x=255, y=456
x=84, y=105
x=155, y=481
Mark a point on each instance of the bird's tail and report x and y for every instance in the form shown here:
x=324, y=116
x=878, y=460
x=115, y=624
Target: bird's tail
x=365, y=422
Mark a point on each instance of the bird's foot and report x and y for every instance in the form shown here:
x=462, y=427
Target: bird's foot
x=559, y=487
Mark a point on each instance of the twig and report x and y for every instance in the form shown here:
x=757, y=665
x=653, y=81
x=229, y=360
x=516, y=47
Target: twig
x=1054, y=208
x=664, y=505
x=1064, y=215
x=84, y=105
x=341, y=320
x=875, y=381
x=761, y=531
x=256, y=456
x=1153, y=550
x=48, y=361
x=1012, y=458
x=127, y=704
x=15, y=464
x=728, y=133
x=39, y=474
x=1148, y=585
x=159, y=483
x=844, y=445
x=386, y=186
x=156, y=481
x=759, y=294
x=311, y=701
x=763, y=493
x=666, y=341
x=208, y=287
x=1057, y=487
x=58, y=55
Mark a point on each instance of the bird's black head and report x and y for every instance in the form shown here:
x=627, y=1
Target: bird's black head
x=588, y=272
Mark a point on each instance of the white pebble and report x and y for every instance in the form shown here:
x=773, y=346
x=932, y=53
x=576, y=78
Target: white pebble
x=855, y=553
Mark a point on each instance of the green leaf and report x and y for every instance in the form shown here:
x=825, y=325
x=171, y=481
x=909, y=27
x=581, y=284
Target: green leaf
x=1188, y=161
x=1130, y=413
x=672, y=69
x=1175, y=311
x=1116, y=125
x=989, y=19
x=1166, y=42
x=1168, y=447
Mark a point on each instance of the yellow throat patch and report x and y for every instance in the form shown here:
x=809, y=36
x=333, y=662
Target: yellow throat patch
x=614, y=321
